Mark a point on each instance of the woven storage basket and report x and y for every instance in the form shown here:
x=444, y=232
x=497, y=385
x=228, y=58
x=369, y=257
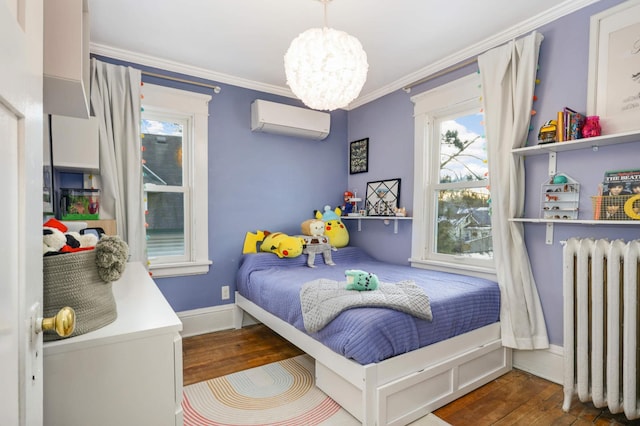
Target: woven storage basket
x=72, y=280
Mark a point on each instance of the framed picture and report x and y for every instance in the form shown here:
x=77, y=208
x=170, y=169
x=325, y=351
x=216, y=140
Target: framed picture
x=383, y=197
x=614, y=68
x=359, y=156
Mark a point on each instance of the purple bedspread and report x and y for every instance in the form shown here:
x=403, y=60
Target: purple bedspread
x=459, y=303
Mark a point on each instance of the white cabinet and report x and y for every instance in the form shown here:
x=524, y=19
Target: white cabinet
x=75, y=144
x=126, y=373
x=66, y=58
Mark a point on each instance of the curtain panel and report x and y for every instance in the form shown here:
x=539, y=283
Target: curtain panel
x=115, y=101
x=508, y=76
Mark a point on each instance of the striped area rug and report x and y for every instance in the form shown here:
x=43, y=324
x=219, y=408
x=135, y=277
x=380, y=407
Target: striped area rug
x=278, y=394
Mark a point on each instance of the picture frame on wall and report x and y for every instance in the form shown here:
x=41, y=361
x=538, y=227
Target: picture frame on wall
x=614, y=63
x=359, y=156
x=383, y=197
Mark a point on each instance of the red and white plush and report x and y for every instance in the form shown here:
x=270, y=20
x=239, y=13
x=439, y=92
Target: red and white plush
x=56, y=239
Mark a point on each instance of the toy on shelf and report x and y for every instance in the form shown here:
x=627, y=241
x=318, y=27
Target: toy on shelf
x=560, y=197
x=350, y=206
x=591, y=127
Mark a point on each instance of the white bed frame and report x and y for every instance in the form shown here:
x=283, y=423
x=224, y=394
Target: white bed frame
x=406, y=387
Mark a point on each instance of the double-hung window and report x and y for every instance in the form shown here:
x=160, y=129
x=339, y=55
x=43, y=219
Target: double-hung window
x=452, y=214
x=174, y=168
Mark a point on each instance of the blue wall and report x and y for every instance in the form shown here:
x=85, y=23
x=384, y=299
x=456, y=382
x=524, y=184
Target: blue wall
x=388, y=122
x=256, y=181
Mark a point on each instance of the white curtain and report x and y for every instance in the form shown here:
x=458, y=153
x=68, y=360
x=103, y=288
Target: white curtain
x=508, y=76
x=115, y=100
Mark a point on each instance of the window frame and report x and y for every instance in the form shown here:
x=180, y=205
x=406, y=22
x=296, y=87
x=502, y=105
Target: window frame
x=167, y=102
x=430, y=108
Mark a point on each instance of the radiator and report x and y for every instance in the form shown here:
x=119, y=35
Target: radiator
x=600, y=284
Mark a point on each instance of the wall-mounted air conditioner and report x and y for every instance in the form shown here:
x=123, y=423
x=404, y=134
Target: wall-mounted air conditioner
x=289, y=120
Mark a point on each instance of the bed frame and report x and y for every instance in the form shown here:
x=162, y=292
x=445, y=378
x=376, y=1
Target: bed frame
x=401, y=389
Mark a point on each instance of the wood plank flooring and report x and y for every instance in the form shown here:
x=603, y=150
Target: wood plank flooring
x=517, y=398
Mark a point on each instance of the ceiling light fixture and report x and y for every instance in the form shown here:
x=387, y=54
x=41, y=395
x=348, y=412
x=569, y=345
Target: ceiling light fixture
x=326, y=68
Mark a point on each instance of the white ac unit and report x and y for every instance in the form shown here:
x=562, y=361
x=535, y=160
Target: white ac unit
x=289, y=120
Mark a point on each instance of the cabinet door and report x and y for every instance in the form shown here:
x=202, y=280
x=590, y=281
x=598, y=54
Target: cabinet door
x=66, y=58
x=75, y=144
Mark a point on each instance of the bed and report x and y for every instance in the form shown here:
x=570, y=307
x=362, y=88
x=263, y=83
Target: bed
x=382, y=365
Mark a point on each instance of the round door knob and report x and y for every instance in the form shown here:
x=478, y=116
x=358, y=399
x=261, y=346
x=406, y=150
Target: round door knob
x=63, y=323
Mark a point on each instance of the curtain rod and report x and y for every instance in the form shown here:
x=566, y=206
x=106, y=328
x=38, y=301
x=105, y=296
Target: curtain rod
x=452, y=68
x=216, y=89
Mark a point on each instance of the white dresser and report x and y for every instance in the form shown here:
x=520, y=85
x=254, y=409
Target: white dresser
x=126, y=373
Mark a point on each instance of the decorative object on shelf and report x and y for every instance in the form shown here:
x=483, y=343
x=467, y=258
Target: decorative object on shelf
x=569, y=125
x=548, y=132
x=591, y=127
x=618, y=197
x=359, y=156
x=382, y=197
x=560, y=198
x=400, y=212
x=616, y=207
x=326, y=68
x=350, y=206
x=613, y=68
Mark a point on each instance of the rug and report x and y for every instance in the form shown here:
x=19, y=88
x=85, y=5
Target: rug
x=278, y=394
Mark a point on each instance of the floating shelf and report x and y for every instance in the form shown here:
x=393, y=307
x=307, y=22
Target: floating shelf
x=593, y=143
x=386, y=219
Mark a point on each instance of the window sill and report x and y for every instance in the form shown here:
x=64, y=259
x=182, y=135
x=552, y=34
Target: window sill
x=180, y=269
x=472, y=270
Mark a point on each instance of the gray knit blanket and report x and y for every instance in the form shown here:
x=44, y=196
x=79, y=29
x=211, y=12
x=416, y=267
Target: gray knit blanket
x=322, y=300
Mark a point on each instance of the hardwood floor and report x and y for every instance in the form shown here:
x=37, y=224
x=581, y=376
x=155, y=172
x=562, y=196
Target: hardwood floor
x=517, y=398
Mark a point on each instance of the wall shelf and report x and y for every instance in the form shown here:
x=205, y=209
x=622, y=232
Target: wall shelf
x=387, y=220
x=593, y=143
x=551, y=222
x=551, y=149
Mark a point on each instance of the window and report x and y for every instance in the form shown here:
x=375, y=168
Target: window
x=452, y=222
x=174, y=143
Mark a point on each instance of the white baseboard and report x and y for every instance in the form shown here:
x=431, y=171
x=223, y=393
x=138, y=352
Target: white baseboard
x=547, y=363
x=209, y=320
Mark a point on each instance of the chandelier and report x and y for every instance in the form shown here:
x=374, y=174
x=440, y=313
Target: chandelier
x=325, y=68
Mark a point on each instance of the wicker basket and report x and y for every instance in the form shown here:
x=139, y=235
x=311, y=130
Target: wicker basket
x=616, y=207
x=72, y=280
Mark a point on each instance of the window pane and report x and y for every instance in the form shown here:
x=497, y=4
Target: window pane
x=165, y=224
x=464, y=223
x=162, y=152
x=463, y=155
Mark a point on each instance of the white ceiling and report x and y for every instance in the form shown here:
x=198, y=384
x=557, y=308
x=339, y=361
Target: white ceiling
x=242, y=42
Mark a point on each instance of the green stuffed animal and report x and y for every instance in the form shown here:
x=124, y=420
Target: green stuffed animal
x=361, y=280
x=281, y=244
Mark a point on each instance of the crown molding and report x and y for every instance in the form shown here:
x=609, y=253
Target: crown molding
x=558, y=11
x=167, y=65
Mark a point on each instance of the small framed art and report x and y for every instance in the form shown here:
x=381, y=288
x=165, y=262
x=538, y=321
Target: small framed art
x=383, y=197
x=359, y=156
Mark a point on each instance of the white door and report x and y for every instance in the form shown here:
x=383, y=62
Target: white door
x=20, y=211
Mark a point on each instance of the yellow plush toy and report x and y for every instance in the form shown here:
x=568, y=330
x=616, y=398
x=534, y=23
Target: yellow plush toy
x=273, y=242
x=282, y=244
x=251, y=241
x=333, y=226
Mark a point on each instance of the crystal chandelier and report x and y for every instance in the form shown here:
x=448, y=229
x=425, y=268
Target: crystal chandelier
x=325, y=68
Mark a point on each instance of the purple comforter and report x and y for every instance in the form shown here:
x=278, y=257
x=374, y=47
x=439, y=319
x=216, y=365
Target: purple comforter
x=459, y=303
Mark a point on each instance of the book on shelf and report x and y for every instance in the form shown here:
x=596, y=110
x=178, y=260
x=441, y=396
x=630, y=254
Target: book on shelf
x=626, y=179
x=617, y=188
x=570, y=123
